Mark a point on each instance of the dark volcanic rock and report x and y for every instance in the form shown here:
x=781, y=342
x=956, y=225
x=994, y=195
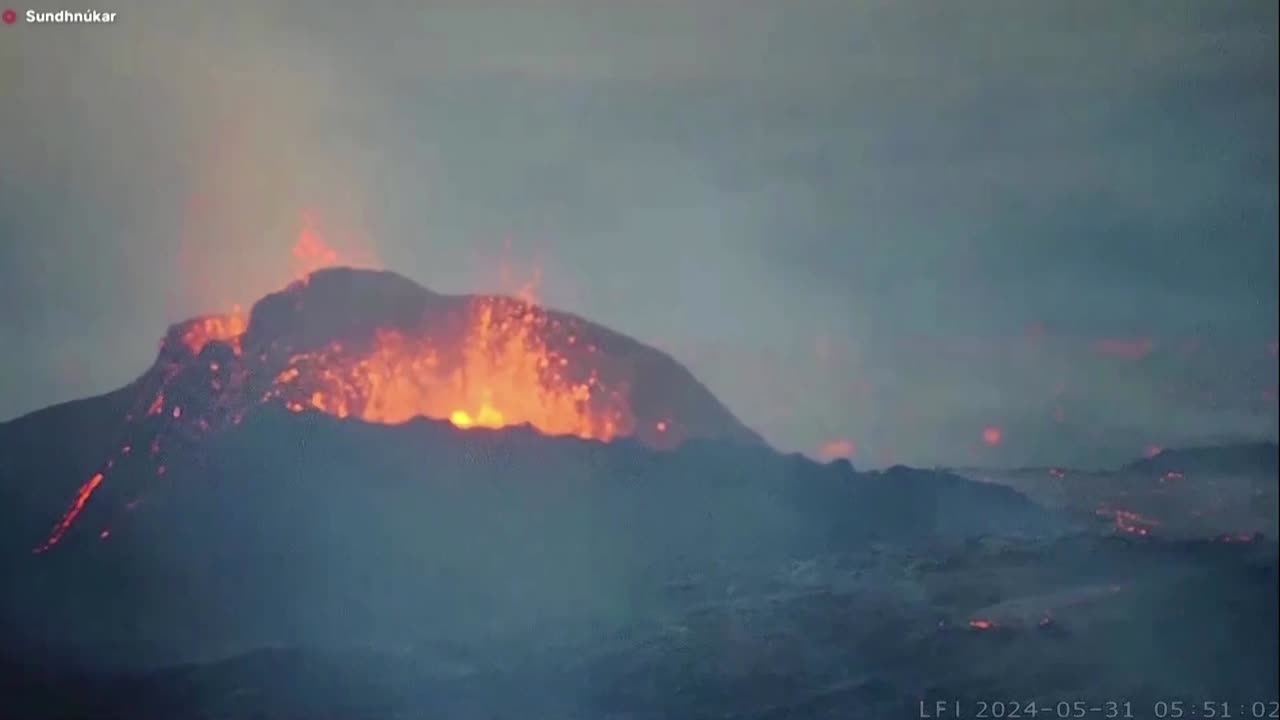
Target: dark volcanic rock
x=863, y=635
x=296, y=528
x=1229, y=492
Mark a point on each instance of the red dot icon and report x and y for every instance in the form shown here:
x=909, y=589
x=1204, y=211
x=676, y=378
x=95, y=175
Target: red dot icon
x=10, y=16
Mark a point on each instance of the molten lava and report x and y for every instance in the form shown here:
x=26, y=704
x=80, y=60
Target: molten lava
x=504, y=374
x=82, y=497
x=222, y=328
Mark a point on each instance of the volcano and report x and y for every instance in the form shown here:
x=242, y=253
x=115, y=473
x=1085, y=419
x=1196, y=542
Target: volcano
x=359, y=459
x=377, y=347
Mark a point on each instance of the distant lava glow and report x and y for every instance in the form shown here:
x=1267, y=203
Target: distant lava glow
x=1127, y=521
x=837, y=449
x=502, y=369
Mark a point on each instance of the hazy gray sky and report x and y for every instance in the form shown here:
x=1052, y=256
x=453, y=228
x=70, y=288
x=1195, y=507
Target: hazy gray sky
x=896, y=223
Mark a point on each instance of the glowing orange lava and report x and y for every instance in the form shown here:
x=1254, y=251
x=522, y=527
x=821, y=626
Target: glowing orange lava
x=224, y=328
x=504, y=374
x=82, y=497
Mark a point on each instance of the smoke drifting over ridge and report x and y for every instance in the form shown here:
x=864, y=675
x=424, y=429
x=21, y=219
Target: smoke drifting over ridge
x=847, y=238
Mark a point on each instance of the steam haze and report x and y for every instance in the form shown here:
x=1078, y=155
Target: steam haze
x=890, y=225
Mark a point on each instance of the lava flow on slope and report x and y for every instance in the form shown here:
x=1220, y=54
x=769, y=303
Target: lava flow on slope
x=376, y=347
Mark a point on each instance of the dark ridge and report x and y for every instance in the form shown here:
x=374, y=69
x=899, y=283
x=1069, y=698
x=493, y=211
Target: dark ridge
x=1250, y=457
